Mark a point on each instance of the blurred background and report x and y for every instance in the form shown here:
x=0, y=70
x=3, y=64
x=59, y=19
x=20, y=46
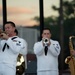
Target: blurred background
x=31, y=16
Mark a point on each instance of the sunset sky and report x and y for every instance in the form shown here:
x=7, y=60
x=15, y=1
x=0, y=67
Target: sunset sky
x=22, y=11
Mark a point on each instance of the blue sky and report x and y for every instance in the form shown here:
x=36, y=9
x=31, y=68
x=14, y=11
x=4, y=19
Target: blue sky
x=22, y=11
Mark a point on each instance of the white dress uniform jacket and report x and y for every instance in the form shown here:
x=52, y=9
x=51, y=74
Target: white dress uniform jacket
x=10, y=49
x=50, y=61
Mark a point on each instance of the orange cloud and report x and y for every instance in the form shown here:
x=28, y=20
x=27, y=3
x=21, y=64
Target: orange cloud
x=24, y=22
x=0, y=10
x=19, y=16
x=18, y=11
x=0, y=7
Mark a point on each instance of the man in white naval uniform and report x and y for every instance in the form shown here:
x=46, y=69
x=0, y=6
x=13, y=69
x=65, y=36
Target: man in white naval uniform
x=10, y=47
x=47, y=59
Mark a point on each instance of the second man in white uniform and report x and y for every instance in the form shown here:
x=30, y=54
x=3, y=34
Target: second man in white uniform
x=47, y=52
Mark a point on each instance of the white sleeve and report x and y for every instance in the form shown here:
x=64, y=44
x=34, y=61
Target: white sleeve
x=15, y=46
x=54, y=48
x=24, y=48
x=24, y=52
x=38, y=48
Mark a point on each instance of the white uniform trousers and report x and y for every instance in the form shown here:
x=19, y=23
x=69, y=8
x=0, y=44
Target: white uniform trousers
x=6, y=70
x=48, y=72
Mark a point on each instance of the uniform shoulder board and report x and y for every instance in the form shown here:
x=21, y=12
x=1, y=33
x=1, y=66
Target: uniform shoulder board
x=13, y=38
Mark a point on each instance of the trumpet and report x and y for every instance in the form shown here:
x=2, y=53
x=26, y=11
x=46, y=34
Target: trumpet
x=45, y=41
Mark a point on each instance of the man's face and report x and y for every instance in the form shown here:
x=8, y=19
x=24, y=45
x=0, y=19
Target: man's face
x=9, y=29
x=46, y=34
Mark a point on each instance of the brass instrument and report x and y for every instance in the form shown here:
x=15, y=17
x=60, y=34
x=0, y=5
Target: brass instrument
x=45, y=41
x=20, y=67
x=70, y=60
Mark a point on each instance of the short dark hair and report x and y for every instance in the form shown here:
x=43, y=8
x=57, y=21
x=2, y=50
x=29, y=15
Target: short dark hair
x=47, y=29
x=12, y=23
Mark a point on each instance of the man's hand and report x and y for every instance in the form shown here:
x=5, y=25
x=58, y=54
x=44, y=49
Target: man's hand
x=4, y=36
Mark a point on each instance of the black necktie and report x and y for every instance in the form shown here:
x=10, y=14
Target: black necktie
x=46, y=49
